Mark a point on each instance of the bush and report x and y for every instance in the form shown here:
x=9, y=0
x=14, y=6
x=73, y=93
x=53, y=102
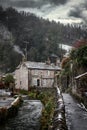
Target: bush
x=24, y=92
x=8, y=80
x=32, y=95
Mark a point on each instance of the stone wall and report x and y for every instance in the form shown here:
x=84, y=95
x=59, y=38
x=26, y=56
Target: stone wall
x=59, y=120
x=10, y=111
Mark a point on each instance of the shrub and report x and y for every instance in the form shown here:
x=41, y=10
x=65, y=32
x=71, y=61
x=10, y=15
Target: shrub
x=24, y=92
x=32, y=95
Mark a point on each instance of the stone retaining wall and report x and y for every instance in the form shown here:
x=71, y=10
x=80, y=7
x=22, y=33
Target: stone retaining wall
x=10, y=111
x=59, y=120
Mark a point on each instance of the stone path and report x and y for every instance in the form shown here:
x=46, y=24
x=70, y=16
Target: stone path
x=76, y=116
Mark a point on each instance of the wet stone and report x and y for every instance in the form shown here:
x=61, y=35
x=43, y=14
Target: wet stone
x=76, y=117
x=6, y=101
x=28, y=117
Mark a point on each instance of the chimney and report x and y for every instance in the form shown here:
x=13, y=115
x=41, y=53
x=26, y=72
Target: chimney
x=48, y=61
x=57, y=62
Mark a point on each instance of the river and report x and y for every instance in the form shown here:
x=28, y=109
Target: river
x=28, y=117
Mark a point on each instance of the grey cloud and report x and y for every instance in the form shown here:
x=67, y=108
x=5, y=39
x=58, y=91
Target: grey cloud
x=31, y=3
x=79, y=12
x=84, y=5
x=52, y=9
x=59, y=1
x=23, y=3
x=76, y=12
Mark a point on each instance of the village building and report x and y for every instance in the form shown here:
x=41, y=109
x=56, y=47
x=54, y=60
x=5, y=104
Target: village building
x=38, y=74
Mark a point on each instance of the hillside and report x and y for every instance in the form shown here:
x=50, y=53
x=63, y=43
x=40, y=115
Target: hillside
x=40, y=37
x=9, y=58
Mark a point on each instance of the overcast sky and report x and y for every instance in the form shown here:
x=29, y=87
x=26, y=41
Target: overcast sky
x=65, y=11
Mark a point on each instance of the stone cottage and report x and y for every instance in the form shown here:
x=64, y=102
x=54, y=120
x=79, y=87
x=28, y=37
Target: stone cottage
x=29, y=74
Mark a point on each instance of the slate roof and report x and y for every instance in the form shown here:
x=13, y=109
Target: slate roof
x=41, y=65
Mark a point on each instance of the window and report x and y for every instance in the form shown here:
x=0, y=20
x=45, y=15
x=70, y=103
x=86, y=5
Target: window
x=38, y=82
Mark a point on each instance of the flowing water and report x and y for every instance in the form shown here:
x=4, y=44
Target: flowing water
x=28, y=117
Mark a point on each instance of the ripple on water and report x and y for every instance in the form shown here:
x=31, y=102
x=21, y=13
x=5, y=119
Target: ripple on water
x=27, y=118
